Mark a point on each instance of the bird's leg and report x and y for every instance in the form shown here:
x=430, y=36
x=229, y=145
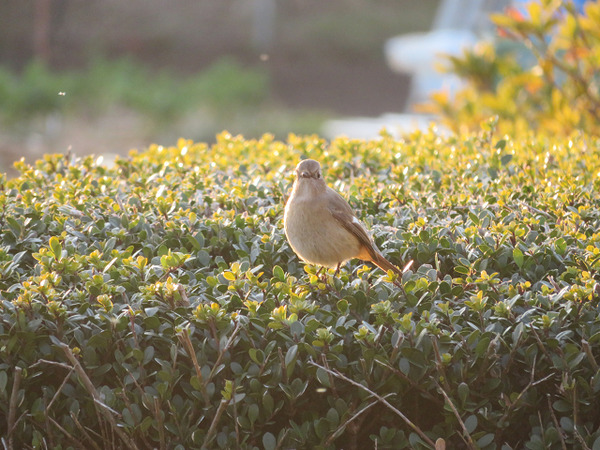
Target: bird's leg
x=332, y=287
x=337, y=270
x=318, y=275
x=399, y=285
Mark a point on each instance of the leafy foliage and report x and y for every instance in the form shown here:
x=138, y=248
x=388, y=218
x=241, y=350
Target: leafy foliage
x=157, y=304
x=39, y=90
x=547, y=79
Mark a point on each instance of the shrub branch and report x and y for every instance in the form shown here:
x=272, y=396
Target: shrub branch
x=467, y=435
x=590, y=355
x=343, y=425
x=185, y=340
x=84, y=431
x=224, y=350
x=556, y=424
x=106, y=411
x=381, y=399
x=212, y=430
x=525, y=389
x=12, y=408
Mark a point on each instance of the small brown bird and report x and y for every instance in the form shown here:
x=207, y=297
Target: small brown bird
x=321, y=226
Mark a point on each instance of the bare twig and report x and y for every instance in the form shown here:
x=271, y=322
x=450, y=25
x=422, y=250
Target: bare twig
x=414, y=385
x=224, y=350
x=84, y=431
x=60, y=389
x=235, y=418
x=331, y=383
x=406, y=420
x=438, y=361
x=52, y=363
x=66, y=433
x=540, y=343
x=343, y=425
x=588, y=351
x=106, y=412
x=468, y=437
x=212, y=430
x=282, y=439
x=49, y=432
x=576, y=419
x=142, y=393
x=12, y=406
x=556, y=424
x=579, y=438
x=535, y=210
x=159, y=423
x=525, y=389
x=184, y=298
x=185, y=340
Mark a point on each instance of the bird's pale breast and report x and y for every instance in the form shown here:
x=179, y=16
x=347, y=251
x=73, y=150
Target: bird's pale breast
x=315, y=235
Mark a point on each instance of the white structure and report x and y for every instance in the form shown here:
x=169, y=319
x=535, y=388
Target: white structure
x=370, y=127
x=458, y=25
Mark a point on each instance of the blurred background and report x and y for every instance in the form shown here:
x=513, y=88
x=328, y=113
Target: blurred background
x=106, y=76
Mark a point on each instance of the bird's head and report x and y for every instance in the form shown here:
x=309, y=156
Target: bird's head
x=308, y=169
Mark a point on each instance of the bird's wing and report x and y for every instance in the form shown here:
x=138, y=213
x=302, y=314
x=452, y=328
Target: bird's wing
x=342, y=212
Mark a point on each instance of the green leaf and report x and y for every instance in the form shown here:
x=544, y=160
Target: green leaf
x=561, y=246
x=482, y=346
x=462, y=270
x=290, y=356
x=323, y=377
x=128, y=417
x=268, y=403
x=471, y=423
x=518, y=257
x=342, y=306
x=516, y=334
x=253, y=412
x=269, y=441
x=573, y=363
x=195, y=243
x=506, y=159
x=256, y=355
x=229, y=276
x=279, y=273
x=148, y=354
x=463, y=392
x=485, y=440
x=333, y=416
x=151, y=311
x=196, y=383
x=55, y=248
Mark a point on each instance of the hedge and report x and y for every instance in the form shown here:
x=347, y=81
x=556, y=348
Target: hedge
x=157, y=304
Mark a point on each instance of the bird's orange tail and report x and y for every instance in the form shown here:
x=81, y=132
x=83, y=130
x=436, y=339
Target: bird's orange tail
x=380, y=261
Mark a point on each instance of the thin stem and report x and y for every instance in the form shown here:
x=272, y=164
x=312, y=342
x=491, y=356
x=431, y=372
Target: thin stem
x=104, y=410
x=468, y=437
x=399, y=413
x=343, y=425
x=12, y=408
x=212, y=430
